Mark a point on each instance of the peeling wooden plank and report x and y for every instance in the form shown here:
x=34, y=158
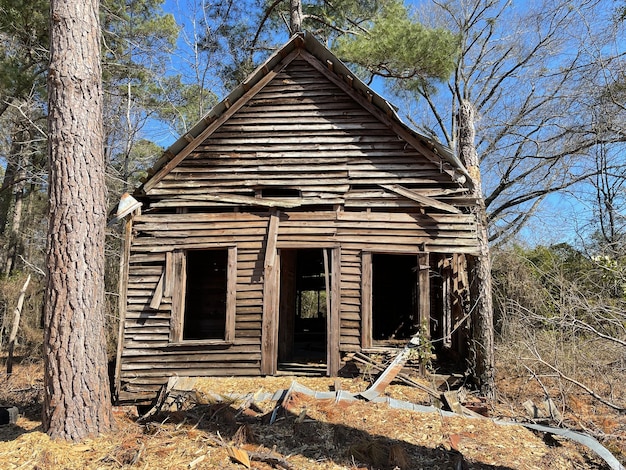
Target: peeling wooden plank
x=155, y=303
x=426, y=200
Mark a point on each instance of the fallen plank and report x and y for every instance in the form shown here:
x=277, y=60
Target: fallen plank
x=392, y=370
x=363, y=359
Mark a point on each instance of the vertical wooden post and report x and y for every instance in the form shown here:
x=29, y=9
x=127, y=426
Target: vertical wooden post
x=179, y=258
x=366, y=300
x=169, y=275
x=446, y=296
x=121, y=306
x=231, y=294
x=423, y=280
x=271, y=299
x=329, y=311
x=334, y=320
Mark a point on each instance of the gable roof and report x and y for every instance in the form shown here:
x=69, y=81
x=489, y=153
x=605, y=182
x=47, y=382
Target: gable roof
x=305, y=45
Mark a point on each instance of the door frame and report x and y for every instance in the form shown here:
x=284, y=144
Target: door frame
x=271, y=311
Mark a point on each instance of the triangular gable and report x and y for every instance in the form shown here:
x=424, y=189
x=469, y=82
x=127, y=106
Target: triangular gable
x=319, y=57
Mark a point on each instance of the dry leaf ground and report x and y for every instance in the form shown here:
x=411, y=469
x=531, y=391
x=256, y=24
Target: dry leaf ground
x=310, y=434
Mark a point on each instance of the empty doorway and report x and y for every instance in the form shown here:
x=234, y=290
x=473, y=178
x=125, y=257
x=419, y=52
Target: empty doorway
x=303, y=312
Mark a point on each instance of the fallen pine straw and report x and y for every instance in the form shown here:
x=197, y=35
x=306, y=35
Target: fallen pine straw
x=311, y=434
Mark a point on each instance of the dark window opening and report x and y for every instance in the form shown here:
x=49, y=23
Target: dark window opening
x=205, y=301
x=394, y=298
x=280, y=192
x=365, y=187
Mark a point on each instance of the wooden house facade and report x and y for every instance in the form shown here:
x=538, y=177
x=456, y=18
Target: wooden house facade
x=299, y=221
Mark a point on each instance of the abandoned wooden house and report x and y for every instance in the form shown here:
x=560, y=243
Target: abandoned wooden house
x=298, y=222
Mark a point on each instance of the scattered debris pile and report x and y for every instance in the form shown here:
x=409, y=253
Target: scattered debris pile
x=315, y=423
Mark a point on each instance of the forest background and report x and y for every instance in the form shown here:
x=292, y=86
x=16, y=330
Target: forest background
x=547, y=79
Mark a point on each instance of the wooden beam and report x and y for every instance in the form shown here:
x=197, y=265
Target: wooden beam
x=163, y=171
x=426, y=200
x=179, y=294
x=271, y=298
x=123, y=290
x=423, y=281
x=231, y=294
x=366, y=300
x=329, y=326
x=249, y=200
x=169, y=275
x=155, y=303
x=423, y=285
x=334, y=339
x=272, y=237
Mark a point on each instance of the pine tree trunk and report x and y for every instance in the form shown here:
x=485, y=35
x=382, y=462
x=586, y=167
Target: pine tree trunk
x=481, y=292
x=77, y=400
x=295, y=16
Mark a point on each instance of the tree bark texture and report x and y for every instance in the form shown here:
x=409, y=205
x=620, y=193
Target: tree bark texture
x=15, y=229
x=295, y=16
x=482, y=340
x=77, y=401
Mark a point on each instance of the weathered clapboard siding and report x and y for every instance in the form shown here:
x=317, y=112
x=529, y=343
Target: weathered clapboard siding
x=350, y=320
x=147, y=329
x=321, y=148
x=298, y=159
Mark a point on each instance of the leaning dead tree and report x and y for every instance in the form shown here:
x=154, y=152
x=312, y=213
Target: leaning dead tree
x=481, y=291
x=17, y=314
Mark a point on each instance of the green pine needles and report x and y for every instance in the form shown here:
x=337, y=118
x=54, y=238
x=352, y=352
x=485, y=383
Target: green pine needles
x=398, y=47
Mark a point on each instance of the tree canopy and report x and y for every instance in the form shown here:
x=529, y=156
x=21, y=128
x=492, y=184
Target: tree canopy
x=536, y=76
x=396, y=46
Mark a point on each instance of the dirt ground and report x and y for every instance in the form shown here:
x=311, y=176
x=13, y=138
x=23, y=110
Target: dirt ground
x=305, y=434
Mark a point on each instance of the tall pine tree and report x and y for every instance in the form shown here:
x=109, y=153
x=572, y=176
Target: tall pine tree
x=77, y=401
